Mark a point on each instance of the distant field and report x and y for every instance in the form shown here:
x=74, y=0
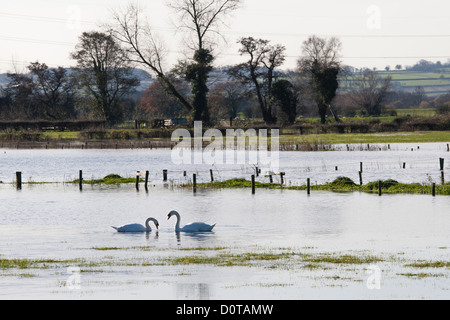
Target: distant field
x=416, y=112
x=434, y=84
x=359, y=138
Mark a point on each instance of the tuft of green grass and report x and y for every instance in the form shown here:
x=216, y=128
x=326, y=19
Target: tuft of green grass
x=430, y=264
x=345, y=259
x=109, y=180
x=417, y=275
x=7, y=264
x=228, y=260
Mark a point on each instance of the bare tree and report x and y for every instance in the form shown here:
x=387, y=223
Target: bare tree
x=260, y=71
x=53, y=89
x=203, y=18
x=143, y=47
x=320, y=63
x=370, y=91
x=227, y=99
x=104, y=72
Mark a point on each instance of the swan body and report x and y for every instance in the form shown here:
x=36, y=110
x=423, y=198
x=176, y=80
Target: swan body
x=195, y=227
x=138, y=228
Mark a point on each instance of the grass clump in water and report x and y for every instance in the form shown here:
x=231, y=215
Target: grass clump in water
x=430, y=264
x=228, y=260
x=236, y=184
x=7, y=264
x=109, y=180
x=345, y=259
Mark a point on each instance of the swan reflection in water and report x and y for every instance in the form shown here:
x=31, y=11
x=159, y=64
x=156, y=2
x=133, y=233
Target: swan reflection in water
x=196, y=236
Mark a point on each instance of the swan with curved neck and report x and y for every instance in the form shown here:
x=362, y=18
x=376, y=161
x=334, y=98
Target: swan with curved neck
x=195, y=227
x=136, y=228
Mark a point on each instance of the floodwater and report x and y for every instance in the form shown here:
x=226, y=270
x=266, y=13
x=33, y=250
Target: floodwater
x=58, y=222
x=421, y=165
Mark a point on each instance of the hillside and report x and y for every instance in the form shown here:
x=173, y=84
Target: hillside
x=434, y=83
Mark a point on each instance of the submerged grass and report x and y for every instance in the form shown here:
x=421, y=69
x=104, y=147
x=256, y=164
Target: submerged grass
x=430, y=264
x=345, y=259
x=228, y=260
x=6, y=264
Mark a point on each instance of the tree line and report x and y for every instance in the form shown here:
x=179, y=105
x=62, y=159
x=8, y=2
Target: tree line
x=102, y=84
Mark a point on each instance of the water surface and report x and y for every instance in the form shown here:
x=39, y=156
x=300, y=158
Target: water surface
x=59, y=222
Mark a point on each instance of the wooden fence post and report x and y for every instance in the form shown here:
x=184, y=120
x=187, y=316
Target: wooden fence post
x=380, y=192
x=165, y=175
x=194, y=180
x=80, y=180
x=253, y=185
x=19, y=180
x=308, y=186
x=138, y=177
x=212, y=175
x=434, y=190
x=147, y=174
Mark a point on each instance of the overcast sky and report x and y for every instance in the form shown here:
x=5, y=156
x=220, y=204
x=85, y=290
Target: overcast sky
x=374, y=33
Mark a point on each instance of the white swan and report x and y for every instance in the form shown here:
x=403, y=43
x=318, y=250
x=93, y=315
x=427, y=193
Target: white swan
x=136, y=228
x=195, y=227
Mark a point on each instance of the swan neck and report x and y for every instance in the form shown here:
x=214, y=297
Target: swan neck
x=147, y=224
x=178, y=220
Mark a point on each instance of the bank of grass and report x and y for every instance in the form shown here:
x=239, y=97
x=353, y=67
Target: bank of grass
x=341, y=184
x=112, y=179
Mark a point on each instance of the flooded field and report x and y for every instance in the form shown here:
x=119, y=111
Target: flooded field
x=57, y=242
x=275, y=245
x=407, y=163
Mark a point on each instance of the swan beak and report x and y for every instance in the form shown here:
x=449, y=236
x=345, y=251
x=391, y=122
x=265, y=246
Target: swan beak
x=157, y=226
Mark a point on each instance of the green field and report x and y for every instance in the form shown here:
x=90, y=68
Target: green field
x=360, y=138
x=434, y=84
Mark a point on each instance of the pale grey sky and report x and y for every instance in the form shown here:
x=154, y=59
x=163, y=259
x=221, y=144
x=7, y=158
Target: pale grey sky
x=374, y=33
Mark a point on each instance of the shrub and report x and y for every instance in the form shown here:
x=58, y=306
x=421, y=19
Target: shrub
x=443, y=109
